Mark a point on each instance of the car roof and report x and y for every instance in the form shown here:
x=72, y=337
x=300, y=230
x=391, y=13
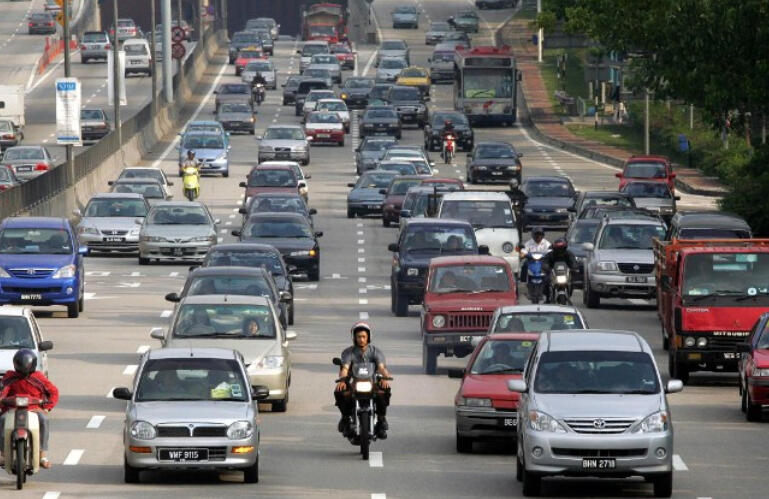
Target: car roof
x=278, y=195
x=592, y=340
x=279, y=214
x=36, y=222
x=710, y=219
x=224, y=299
x=493, y=143
x=639, y=220
x=177, y=203
x=227, y=270
x=544, y=308
x=647, y=158
x=204, y=353
x=476, y=195
x=117, y=195
x=605, y=194
x=137, y=180
x=246, y=246
x=287, y=125
x=261, y=167
x=141, y=168
x=512, y=336
x=443, y=261
x=436, y=221
x=549, y=178
x=12, y=311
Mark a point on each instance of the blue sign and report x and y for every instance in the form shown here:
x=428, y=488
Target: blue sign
x=66, y=86
x=683, y=143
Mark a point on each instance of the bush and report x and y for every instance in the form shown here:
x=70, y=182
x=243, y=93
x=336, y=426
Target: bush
x=749, y=182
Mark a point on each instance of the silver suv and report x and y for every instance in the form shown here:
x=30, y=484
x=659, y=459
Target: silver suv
x=620, y=261
x=593, y=404
x=94, y=45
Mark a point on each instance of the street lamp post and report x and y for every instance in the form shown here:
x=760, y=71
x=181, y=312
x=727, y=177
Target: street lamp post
x=65, y=7
x=540, y=33
x=168, y=80
x=153, y=23
x=116, y=75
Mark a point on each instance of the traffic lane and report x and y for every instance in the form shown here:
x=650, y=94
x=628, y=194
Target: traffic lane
x=20, y=50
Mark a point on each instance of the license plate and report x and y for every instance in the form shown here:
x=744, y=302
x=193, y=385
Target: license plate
x=636, y=279
x=178, y=252
x=496, y=173
x=283, y=155
x=114, y=239
x=324, y=135
x=508, y=422
x=731, y=355
x=32, y=296
x=589, y=463
x=136, y=63
x=23, y=168
x=182, y=455
x=465, y=339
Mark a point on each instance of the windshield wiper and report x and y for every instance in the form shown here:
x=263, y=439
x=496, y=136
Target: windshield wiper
x=208, y=335
x=718, y=292
x=508, y=370
x=486, y=290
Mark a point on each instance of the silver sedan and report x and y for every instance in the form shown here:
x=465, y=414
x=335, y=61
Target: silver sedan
x=284, y=142
x=28, y=162
x=265, y=68
x=108, y=222
x=176, y=231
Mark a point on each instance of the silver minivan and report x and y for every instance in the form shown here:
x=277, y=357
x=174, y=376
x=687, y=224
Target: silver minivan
x=137, y=56
x=593, y=404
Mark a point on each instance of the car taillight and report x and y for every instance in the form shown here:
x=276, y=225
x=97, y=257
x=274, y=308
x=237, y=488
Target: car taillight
x=49, y=24
x=9, y=136
x=83, y=47
x=3, y=187
x=31, y=24
x=41, y=167
x=108, y=46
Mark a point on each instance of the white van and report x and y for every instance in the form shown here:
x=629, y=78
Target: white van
x=138, y=58
x=492, y=217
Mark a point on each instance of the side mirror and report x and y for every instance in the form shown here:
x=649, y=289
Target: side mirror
x=157, y=333
x=242, y=211
x=138, y=221
x=392, y=247
x=217, y=221
x=242, y=184
x=588, y=246
x=259, y=392
x=173, y=297
x=298, y=51
x=743, y=347
x=383, y=191
x=618, y=174
x=111, y=182
x=456, y=372
x=291, y=268
x=517, y=385
x=350, y=184
x=429, y=59
x=285, y=296
x=674, y=386
x=77, y=213
x=405, y=214
x=313, y=211
x=122, y=393
x=677, y=198
x=170, y=184
x=483, y=249
x=236, y=233
x=291, y=335
x=83, y=250
x=520, y=154
x=319, y=234
x=336, y=361
x=44, y=346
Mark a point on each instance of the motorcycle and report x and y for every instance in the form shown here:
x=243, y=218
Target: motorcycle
x=191, y=180
x=362, y=382
x=448, y=148
x=560, y=284
x=535, y=276
x=258, y=91
x=22, y=438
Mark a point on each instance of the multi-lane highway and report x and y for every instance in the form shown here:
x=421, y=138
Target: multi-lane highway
x=718, y=454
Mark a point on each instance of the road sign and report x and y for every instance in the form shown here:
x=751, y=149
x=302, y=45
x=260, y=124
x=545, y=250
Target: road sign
x=178, y=51
x=68, y=95
x=177, y=34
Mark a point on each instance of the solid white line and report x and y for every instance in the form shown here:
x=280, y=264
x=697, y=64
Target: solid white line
x=95, y=421
x=363, y=316
x=375, y=460
x=679, y=464
x=361, y=279
x=130, y=369
x=166, y=313
x=361, y=269
x=362, y=301
x=142, y=349
x=378, y=496
x=51, y=495
x=336, y=276
x=73, y=457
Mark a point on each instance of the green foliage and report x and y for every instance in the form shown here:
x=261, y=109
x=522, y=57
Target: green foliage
x=574, y=82
x=749, y=184
x=545, y=20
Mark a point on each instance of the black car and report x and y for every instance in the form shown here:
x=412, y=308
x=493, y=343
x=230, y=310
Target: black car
x=548, y=201
x=366, y=197
x=233, y=280
x=355, y=91
x=495, y=4
x=277, y=202
x=370, y=152
x=380, y=120
x=304, y=88
x=462, y=130
x=290, y=87
x=420, y=240
x=255, y=255
x=494, y=162
x=579, y=233
x=409, y=103
x=241, y=40
x=291, y=234
x=268, y=44
x=603, y=198
x=708, y=225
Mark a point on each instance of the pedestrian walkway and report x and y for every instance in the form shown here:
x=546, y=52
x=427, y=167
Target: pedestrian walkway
x=548, y=126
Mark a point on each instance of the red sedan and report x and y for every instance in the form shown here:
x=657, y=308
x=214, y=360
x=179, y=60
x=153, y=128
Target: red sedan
x=324, y=126
x=754, y=369
x=485, y=408
x=246, y=55
x=344, y=55
x=648, y=168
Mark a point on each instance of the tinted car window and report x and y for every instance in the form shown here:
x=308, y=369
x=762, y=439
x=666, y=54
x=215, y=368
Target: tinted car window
x=495, y=151
x=15, y=333
x=438, y=239
x=230, y=285
x=404, y=94
x=537, y=321
x=636, y=236
x=251, y=258
x=459, y=278
x=116, y=208
x=502, y=356
x=548, y=188
x=272, y=178
x=19, y=241
x=278, y=229
x=200, y=320
x=191, y=379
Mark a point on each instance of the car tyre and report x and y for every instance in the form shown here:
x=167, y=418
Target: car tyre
x=663, y=485
x=130, y=474
x=518, y=469
x=752, y=411
x=251, y=474
x=429, y=360
x=532, y=483
x=226, y=174
x=464, y=444
x=81, y=304
x=401, y=304
x=589, y=298
x=665, y=339
x=385, y=222
x=280, y=405
x=398, y=135
x=341, y=142
x=350, y=213
x=144, y=261
x=676, y=369
x=73, y=310
x=84, y=60
x=314, y=275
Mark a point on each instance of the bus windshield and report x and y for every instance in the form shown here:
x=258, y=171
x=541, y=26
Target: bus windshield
x=485, y=83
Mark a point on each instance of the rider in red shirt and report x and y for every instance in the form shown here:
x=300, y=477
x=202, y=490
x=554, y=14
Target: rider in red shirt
x=26, y=380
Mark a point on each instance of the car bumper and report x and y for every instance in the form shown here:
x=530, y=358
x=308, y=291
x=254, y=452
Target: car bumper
x=220, y=453
x=139, y=67
x=414, y=290
x=94, y=135
x=215, y=167
x=356, y=102
x=486, y=424
x=274, y=379
x=548, y=219
x=104, y=243
x=9, y=143
x=391, y=214
x=409, y=117
x=303, y=264
x=16, y=291
x=174, y=252
x=618, y=285
x=457, y=343
x=716, y=359
x=388, y=130
x=293, y=155
x=570, y=449
x=327, y=137
x=494, y=175
x=441, y=74
x=366, y=207
x=759, y=390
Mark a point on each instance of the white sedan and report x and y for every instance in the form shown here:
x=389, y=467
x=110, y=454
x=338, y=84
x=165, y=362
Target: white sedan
x=339, y=107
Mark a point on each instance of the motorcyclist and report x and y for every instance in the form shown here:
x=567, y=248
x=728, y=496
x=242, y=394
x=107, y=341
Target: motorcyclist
x=258, y=78
x=26, y=380
x=191, y=172
x=448, y=131
x=518, y=199
x=362, y=352
x=537, y=244
x=559, y=252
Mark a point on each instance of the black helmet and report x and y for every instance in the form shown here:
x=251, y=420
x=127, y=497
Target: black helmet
x=360, y=326
x=560, y=244
x=537, y=230
x=190, y=153
x=25, y=362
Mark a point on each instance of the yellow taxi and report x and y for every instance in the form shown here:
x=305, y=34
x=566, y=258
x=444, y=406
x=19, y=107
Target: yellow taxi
x=415, y=76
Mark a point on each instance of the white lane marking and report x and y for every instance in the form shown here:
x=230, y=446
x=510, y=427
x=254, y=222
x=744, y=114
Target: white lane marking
x=375, y=460
x=361, y=250
x=130, y=369
x=219, y=239
x=128, y=285
x=194, y=116
x=135, y=274
x=173, y=274
x=109, y=393
x=363, y=316
x=88, y=296
x=142, y=349
x=361, y=269
x=638, y=301
x=362, y=290
x=166, y=313
x=360, y=233
x=228, y=223
x=359, y=225
x=679, y=464
x=362, y=301
x=95, y=421
x=361, y=279
x=51, y=495
x=336, y=276
x=370, y=61
x=73, y=457
x=362, y=260
x=231, y=216
x=377, y=496
x=361, y=241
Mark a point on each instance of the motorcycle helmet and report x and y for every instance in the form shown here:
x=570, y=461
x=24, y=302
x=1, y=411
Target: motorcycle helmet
x=514, y=183
x=360, y=326
x=448, y=124
x=190, y=153
x=25, y=362
x=560, y=244
x=537, y=230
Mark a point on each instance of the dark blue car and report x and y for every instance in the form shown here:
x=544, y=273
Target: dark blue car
x=41, y=263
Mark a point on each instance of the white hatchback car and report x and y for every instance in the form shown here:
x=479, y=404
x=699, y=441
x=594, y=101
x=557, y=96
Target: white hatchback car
x=19, y=329
x=138, y=58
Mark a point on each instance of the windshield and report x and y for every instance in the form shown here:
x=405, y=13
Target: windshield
x=187, y=379
x=149, y=190
x=380, y=113
x=283, y=134
x=316, y=95
x=441, y=240
x=469, y=279
x=502, y=356
x=532, y=322
x=15, y=333
x=488, y=83
x=323, y=30
x=250, y=54
x=377, y=145
x=94, y=37
x=395, y=152
x=332, y=106
x=135, y=49
x=480, y=213
x=441, y=27
x=20, y=241
x=548, y=189
x=5, y=174
x=608, y=201
x=324, y=59
x=645, y=170
x=231, y=285
x=404, y=94
x=251, y=258
x=399, y=187
x=278, y=228
x=259, y=66
x=323, y=118
x=272, y=178
x=340, y=49
x=235, y=107
x=648, y=190
x=203, y=127
x=393, y=45
x=203, y=142
x=7, y=126
x=278, y=204
x=317, y=73
x=178, y=215
x=713, y=234
x=116, y=208
x=23, y=153
x=401, y=168
x=234, y=88
x=234, y=320
x=726, y=274
x=392, y=64
x=631, y=236
x=443, y=57
x=495, y=151
x=583, y=233
x=374, y=180
x=312, y=49
x=439, y=119
x=245, y=38
x=596, y=372
x=361, y=83
x=91, y=114
x=413, y=73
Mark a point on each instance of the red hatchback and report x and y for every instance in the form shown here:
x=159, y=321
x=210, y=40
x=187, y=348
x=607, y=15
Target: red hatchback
x=273, y=178
x=485, y=408
x=754, y=369
x=649, y=168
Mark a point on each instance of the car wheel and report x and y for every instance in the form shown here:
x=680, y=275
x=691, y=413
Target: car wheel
x=676, y=369
x=83, y=60
x=464, y=444
x=251, y=474
x=130, y=474
x=429, y=361
x=280, y=405
x=226, y=174
x=743, y=399
x=291, y=313
x=398, y=135
x=341, y=142
x=589, y=298
x=752, y=411
x=385, y=222
x=665, y=339
x=663, y=485
x=518, y=469
x=81, y=304
x=73, y=310
x=470, y=177
x=144, y=261
x=350, y=213
x=532, y=483
x=401, y=304
x=285, y=102
x=252, y=132
x=314, y=275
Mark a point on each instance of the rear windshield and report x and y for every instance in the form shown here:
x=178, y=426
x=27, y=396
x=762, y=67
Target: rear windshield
x=94, y=37
x=404, y=94
x=537, y=321
x=645, y=170
x=312, y=49
x=251, y=258
x=192, y=379
x=394, y=45
x=400, y=187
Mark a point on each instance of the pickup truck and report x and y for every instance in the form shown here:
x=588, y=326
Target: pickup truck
x=710, y=294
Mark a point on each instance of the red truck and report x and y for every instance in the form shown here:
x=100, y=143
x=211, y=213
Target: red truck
x=326, y=22
x=461, y=295
x=709, y=295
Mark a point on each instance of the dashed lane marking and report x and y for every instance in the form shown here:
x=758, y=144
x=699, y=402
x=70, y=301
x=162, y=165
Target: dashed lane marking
x=51, y=495
x=142, y=349
x=679, y=464
x=362, y=301
x=363, y=316
x=362, y=269
x=166, y=313
x=375, y=460
x=361, y=279
x=130, y=369
x=362, y=260
x=362, y=290
x=73, y=457
x=95, y=422
x=377, y=496
x=173, y=274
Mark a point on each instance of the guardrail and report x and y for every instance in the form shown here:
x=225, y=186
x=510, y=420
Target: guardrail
x=27, y=195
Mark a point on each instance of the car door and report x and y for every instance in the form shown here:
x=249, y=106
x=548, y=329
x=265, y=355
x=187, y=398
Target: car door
x=37, y=336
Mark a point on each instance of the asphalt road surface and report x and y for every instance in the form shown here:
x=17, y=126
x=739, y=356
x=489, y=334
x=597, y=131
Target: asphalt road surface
x=718, y=454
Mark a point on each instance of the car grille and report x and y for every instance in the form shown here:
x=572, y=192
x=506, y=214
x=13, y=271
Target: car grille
x=474, y=320
x=636, y=268
x=601, y=426
x=561, y=451
x=23, y=290
x=727, y=342
x=175, y=252
x=282, y=149
x=31, y=273
x=197, y=431
x=114, y=232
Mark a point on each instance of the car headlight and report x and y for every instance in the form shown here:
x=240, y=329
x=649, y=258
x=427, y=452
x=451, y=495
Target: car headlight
x=268, y=362
x=240, y=430
x=654, y=423
x=702, y=342
x=482, y=168
x=759, y=372
x=690, y=341
x=300, y=149
x=561, y=279
x=300, y=253
x=3, y=273
x=606, y=266
x=508, y=247
x=539, y=421
x=412, y=271
x=88, y=230
x=153, y=239
x=561, y=210
x=364, y=386
x=343, y=96
x=474, y=402
x=143, y=430
x=439, y=321
x=265, y=148
x=65, y=272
